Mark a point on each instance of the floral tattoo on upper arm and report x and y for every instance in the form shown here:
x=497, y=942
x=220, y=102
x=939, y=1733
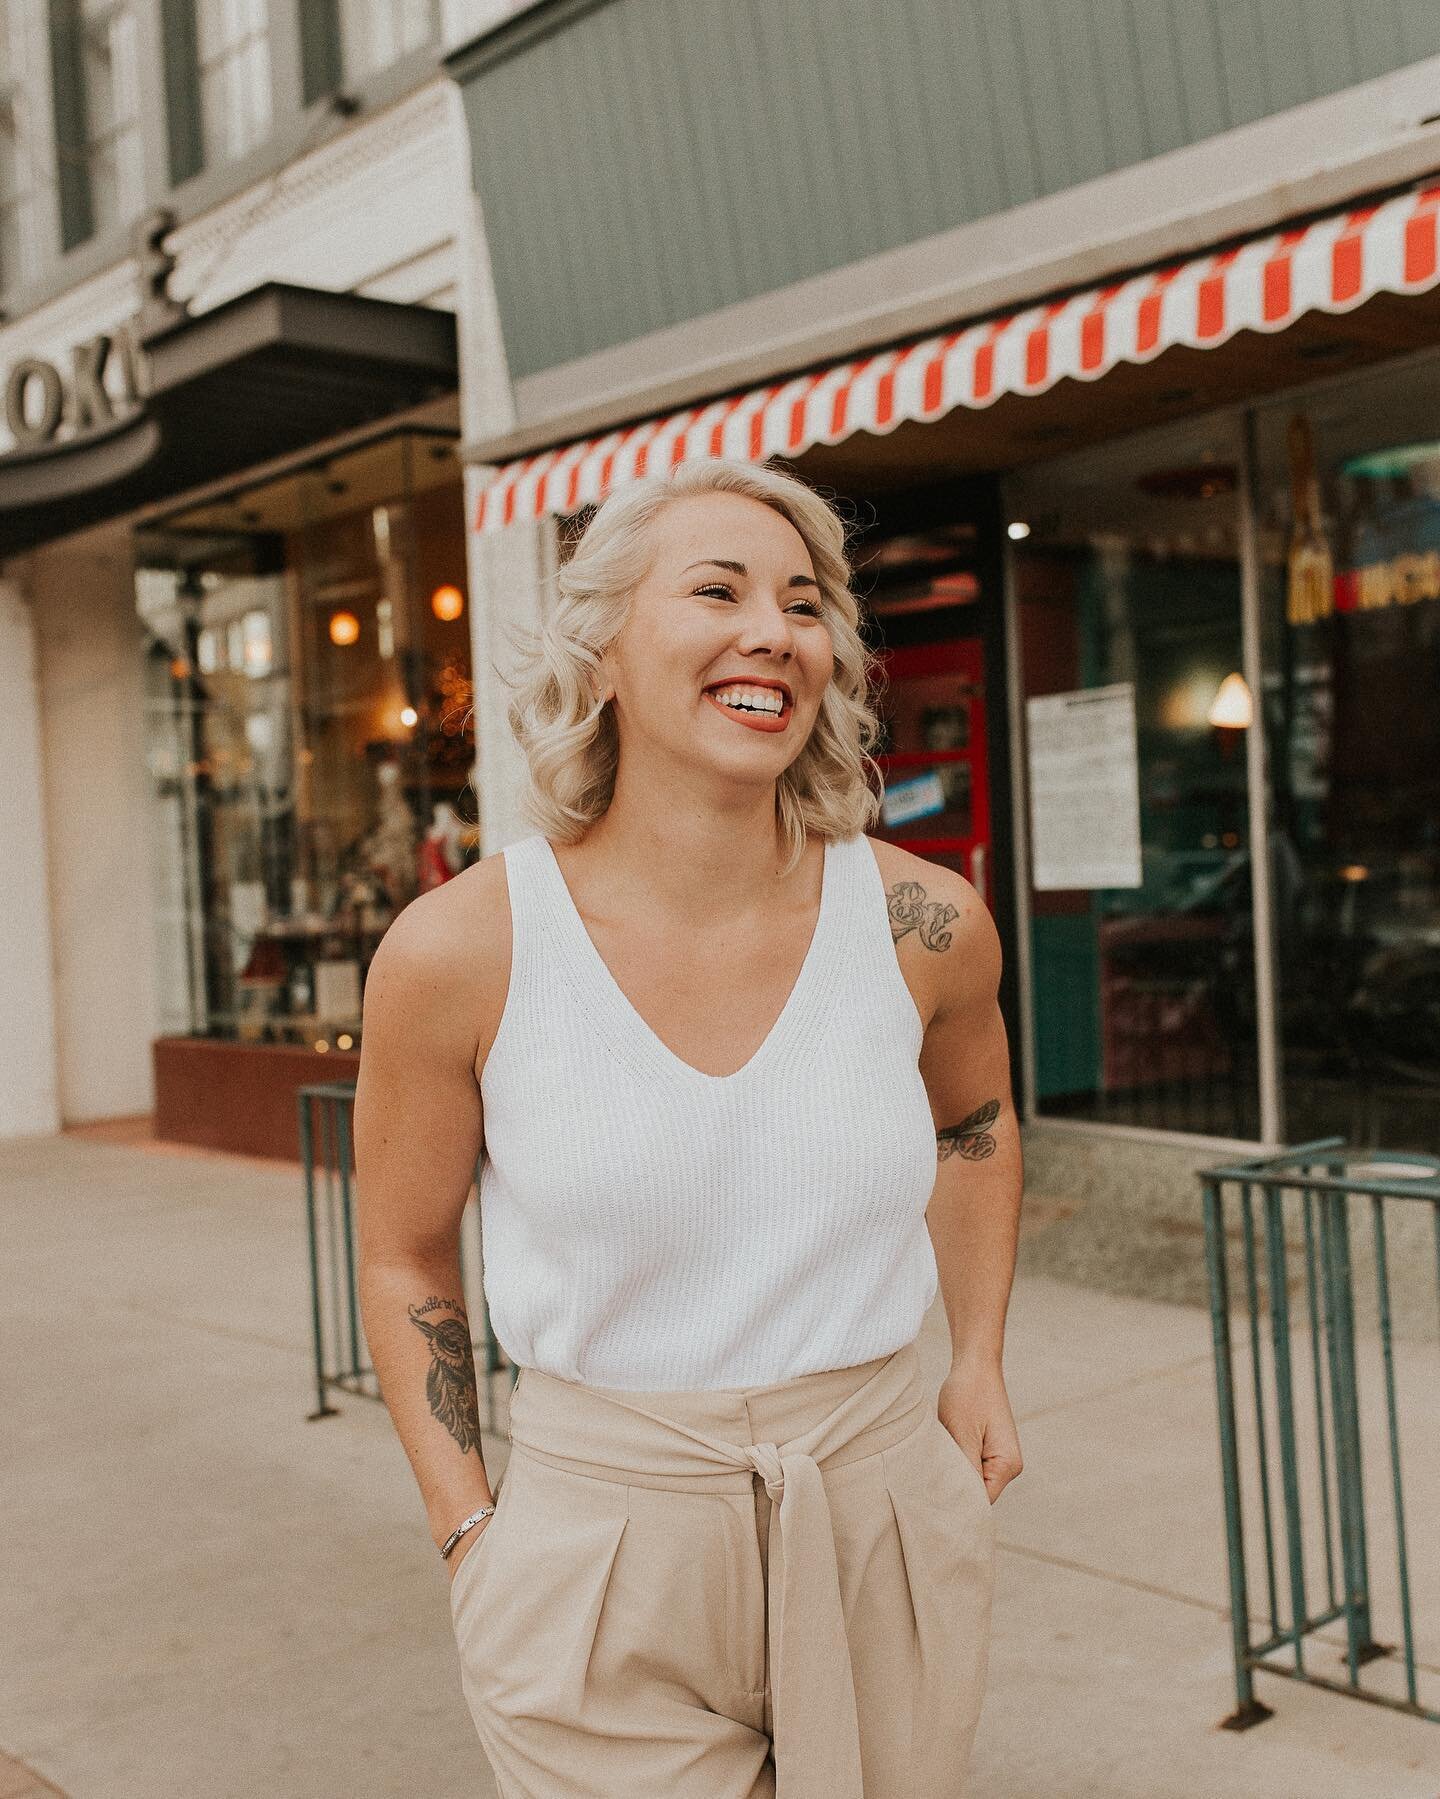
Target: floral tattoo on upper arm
x=971, y=1137
x=450, y=1383
x=910, y=910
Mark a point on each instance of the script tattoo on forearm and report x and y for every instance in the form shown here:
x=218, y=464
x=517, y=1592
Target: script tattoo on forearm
x=971, y=1137
x=910, y=910
x=450, y=1384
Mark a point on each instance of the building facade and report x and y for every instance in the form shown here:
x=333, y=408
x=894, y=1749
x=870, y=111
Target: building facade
x=1117, y=331
x=1114, y=329
x=235, y=633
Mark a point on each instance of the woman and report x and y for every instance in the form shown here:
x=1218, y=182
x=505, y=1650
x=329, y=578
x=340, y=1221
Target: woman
x=733, y=1057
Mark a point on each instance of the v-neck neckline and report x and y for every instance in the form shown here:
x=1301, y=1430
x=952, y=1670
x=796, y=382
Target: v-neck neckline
x=599, y=983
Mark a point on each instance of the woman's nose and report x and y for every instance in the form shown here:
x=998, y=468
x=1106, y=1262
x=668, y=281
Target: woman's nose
x=765, y=626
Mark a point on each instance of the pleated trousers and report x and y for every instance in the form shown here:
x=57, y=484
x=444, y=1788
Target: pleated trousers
x=778, y=1590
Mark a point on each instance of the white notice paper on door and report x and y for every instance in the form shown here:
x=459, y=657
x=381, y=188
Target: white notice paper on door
x=1084, y=789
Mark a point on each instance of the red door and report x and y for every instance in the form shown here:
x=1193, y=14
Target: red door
x=937, y=785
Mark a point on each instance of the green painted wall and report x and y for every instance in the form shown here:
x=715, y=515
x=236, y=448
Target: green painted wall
x=643, y=162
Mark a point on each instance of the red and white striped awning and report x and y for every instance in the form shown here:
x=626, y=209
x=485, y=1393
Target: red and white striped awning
x=1332, y=264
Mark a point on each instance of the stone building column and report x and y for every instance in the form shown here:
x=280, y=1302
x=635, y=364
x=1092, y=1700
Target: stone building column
x=29, y=1089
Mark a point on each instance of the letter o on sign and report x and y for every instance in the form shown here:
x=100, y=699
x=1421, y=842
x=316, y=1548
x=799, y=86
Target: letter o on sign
x=31, y=370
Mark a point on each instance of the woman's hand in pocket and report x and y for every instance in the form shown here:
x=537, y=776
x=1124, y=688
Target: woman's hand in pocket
x=975, y=1408
x=466, y=1545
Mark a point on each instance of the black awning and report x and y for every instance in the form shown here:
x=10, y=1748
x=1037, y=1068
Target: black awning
x=271, y=371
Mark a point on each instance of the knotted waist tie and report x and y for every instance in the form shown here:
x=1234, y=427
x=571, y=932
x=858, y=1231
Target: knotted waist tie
x=613, y=1434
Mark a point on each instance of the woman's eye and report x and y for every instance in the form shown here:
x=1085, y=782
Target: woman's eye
x=728, y=593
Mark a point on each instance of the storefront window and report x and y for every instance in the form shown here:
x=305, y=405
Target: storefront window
x=1350, y=553
x=921, y=597
x=110, y=77
x=310, y=733
x=1127, y=584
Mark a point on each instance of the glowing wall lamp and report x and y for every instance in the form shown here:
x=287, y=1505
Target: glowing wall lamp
x=344, y=628
x=1232, y=708
x=447, y=603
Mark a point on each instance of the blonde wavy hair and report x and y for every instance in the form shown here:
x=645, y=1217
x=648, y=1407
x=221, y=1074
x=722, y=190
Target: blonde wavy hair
x=570, y=739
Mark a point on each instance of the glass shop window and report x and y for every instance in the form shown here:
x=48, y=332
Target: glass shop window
x=310, y=735
x=1126, y=573
x=1350, y=554
x=920, y=595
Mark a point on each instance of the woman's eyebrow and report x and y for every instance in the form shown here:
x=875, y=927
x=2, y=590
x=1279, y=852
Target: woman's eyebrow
x=739, y=568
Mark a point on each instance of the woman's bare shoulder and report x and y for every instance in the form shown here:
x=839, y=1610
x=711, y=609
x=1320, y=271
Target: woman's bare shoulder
x=453, y=943
x=933, y=909
x=900, y=867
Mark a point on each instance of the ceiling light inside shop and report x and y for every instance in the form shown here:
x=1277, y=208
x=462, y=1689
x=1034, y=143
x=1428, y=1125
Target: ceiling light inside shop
x=344, y=628
x=447, y=603
x=1233, y=709
x=1017, y=530
x=409, y=717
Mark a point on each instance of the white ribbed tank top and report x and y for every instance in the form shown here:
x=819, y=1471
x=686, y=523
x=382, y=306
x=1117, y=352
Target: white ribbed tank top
x=648, y=1225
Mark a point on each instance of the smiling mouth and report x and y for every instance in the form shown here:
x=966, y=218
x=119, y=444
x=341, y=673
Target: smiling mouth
x=748, y=708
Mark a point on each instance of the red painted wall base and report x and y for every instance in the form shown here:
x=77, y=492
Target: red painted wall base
x=238, y=1096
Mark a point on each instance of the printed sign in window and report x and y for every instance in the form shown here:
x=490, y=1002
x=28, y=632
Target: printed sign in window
x=1084, y=789
x=919, y=796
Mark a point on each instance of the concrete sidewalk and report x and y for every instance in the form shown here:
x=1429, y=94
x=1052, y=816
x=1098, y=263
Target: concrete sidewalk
x=203, y=1595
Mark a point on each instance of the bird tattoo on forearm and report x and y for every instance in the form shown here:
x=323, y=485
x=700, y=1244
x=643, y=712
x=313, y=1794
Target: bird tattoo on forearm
x=450, y=1383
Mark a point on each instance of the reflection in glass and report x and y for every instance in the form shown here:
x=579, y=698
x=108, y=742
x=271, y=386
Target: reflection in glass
x=1350, y=548
x=310, y=782
x=920, y=591
x=1128, y=578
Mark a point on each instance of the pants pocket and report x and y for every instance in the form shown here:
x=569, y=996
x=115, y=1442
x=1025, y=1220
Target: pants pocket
x=971, y=1475
x=526, y=1624
x=944, y=1519
x=467, y=1575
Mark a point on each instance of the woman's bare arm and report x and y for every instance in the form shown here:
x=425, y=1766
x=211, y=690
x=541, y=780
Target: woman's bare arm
x=949, y=941
x=429, y=997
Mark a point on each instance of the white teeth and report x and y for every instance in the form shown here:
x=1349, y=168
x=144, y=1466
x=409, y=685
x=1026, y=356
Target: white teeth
x=751, y=699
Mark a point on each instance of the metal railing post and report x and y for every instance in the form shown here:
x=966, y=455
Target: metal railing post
x=1249, y=1710
x=307, y=1159
x=1285, y=1414
x=1345, y=1418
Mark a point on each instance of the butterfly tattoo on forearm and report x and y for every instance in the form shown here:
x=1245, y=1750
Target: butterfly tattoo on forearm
x=971, y=1137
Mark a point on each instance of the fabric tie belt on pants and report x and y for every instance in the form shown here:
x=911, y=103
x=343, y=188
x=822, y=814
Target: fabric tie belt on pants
x=816, y=1727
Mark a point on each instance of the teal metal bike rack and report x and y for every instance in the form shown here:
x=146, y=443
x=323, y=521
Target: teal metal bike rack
x=1312, y=1203
x=341, y=1356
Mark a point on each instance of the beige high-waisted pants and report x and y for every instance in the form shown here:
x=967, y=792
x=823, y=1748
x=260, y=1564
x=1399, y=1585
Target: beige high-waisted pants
x=725, y=1594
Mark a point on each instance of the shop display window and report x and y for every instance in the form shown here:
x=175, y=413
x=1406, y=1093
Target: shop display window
x=310, y=733
x=921, y=599
x=1349, y=542
x=1126, y=577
